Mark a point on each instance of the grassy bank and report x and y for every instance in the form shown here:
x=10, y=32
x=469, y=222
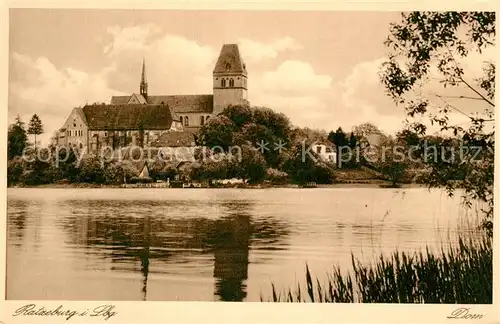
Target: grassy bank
x=462, y=274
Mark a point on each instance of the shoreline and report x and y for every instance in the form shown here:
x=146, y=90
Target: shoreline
x=289, y=186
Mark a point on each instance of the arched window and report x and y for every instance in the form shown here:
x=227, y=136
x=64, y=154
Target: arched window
x=206, y=119
x=186, y=121
x=202, y=120
x=181, y=120
x=223, y=83
x=231, y=83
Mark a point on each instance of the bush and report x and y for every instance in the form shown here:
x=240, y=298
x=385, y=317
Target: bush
x=277, y=177
x=91, y=170
x=114, y=173
x=140, y=180
x=15, y=170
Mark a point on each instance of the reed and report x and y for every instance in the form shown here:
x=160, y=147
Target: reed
x=462, y=274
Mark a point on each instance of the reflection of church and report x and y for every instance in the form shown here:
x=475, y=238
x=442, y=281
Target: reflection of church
x=159, y=242
x=143, y=117
x=231, y=257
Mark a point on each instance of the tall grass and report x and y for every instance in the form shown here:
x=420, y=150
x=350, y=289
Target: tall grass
x=461, y=274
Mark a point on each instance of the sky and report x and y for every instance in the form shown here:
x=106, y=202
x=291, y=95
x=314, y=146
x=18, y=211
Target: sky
x=319, y=68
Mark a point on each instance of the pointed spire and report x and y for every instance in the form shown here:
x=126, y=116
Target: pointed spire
x=144, y=81
x=143, y=75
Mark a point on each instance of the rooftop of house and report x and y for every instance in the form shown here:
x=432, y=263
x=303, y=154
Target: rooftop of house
x=175, y=139
x=128, y=117
x=178, y=103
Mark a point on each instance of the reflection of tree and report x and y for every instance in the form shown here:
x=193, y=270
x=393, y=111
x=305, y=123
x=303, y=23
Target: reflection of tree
x=16, y=221
x=119, y=226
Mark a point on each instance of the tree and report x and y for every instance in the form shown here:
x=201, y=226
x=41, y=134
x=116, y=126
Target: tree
x=353, y=141
x=392, y=161
x=242, y=125
x=239, y=115
x=305, y=167
x=339, y=138
x=17, y=139
x=218, y=132
x=252, y=165
x=35, y=127
x=431, y=46
x=366, y=129
x=15, y=170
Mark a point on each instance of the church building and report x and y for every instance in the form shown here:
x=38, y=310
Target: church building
x=142, y=118
x=229, y=88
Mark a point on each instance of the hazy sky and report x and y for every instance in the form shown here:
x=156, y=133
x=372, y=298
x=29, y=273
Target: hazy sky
x=319, y=68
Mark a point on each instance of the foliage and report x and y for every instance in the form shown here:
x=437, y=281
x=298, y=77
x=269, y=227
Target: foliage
x=339, y=138
x=68, y=163
x=300, y=134
x=306, y=166
x=35, y=126
x=252, y=165
x=392, y=160
x=276, y=176
x=462, y=275
x=91, y=170
x=217, y=132
x=426, y=46
x=214, y=168
x=366, y=129
x=114, y=173
x=242, y=125
x=15, y=170
x=239, y=115
x=17, y=139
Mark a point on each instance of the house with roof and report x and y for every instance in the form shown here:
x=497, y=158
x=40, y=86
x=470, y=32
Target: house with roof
x=96, y=126
x=142, y=118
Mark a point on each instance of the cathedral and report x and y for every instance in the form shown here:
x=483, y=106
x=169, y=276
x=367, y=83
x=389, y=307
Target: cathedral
x=156, y=120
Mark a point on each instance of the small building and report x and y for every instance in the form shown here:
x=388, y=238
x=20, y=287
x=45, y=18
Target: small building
x=326, y=152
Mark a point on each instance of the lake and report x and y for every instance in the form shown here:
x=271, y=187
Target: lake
x=209, y=244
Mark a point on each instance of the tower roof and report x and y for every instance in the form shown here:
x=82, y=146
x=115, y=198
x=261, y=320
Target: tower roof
x=230, y=60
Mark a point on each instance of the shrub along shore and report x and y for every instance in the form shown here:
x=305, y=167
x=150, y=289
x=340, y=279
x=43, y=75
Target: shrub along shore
x=462, y=274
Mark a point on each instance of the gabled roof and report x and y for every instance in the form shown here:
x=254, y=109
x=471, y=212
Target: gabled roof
x=120, y=100
x=79, y=112
x=175, y=139
x=128, y=117
x=203, y=103
x=138, y=99
x=186, y=103
x=230, y=60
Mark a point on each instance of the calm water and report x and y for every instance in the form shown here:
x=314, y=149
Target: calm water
x=197, y=244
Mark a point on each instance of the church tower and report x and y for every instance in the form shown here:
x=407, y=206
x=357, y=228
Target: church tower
x=229, y=79
x=144, y=81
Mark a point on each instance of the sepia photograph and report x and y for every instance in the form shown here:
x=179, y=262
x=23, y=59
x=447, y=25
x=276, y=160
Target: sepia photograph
x=250, y=156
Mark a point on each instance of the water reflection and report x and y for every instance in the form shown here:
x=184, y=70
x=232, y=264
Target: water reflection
x=230, y=248
x=122, y=234
x=16, y=225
